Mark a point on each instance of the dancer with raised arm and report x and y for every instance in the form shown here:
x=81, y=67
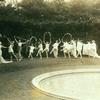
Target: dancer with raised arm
x=47, y=43
x=79, y=48
x=65, y=43
x=29, y=42
x=64, y=49
x=10, y=50
x=40, y=49
x=2, y=60
x=31, y=51
x=31, y=47
x=67, y=48
x=19, y=43
x=55, y=48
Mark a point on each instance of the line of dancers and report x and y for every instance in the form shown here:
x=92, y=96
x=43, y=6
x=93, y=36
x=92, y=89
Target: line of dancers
x=41, y=46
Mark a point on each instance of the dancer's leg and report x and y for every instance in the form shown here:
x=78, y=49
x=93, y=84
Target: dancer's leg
x=29, y=55
x=47, y=54
x=69, y=54
x=40, y=55
x=20, y=56
x=80, y=55
x=10, y=56
x=14, y=56
x=52, y=51
x=55, y=53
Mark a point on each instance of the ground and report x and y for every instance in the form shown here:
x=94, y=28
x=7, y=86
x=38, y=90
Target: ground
x=16, y=77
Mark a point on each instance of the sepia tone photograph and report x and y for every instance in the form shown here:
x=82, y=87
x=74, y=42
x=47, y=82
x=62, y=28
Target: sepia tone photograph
x=49, y=49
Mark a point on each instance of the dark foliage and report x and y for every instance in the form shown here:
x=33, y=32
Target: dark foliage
x=34, y=17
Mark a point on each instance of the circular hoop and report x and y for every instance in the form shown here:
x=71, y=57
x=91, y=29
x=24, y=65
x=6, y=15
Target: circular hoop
x=67, y=34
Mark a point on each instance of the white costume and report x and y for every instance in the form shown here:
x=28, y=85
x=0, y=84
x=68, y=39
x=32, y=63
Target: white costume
x=65, y=47
x=40, y=50
x=40, y=46
x=55, y=46
x=47, y=47
x=79, y=48
x=55, y=49
x=20, y=49
x=87, y=49
x=31, y=49
x=2, y=60
x=73, y=48
x=90, y=49
x=10, y=49
x=69, y=48
x=20, y=44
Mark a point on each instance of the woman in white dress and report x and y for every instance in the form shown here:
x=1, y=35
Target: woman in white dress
x=47, y=44
x=94, y=49
x=31, y=51
x=2, y=60
x=29, y=42
x=55, y=48
x=11, y=50
x=20, y=44
x=67, y=47
x=46, y=50
x=65, y=51
x=79, y=48
x=40, y=49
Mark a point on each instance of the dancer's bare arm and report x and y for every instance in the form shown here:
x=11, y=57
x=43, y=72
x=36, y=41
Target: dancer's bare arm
x=3, y=46
x=8, y=40
x=40, y=40
x=59, y=41
x=16, y=40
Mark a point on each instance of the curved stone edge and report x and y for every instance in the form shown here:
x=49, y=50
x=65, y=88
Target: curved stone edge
x=38, y=79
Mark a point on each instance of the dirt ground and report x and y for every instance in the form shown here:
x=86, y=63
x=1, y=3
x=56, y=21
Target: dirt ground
x=16, y=77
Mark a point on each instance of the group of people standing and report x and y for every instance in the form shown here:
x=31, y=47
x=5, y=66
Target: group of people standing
x=68, y=47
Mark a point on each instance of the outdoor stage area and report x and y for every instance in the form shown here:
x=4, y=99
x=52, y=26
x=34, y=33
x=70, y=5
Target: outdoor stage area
x=16, y=78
